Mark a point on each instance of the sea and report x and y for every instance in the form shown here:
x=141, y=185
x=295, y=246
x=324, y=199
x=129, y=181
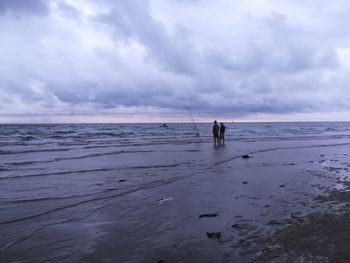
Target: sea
x=53, y=177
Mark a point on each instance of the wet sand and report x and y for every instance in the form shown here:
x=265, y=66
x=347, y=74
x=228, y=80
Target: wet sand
x=287, y=202
x=272, y=207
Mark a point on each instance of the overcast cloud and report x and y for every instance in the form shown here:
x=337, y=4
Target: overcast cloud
x=81, y=60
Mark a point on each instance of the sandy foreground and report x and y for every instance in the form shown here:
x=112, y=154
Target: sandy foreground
x=287, y=202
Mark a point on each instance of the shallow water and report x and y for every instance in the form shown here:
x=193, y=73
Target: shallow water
x=90, y=191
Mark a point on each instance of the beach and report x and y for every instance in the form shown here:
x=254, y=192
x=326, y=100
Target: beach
x=146, y=193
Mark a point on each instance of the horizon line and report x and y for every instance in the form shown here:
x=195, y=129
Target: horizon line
x=185, y=122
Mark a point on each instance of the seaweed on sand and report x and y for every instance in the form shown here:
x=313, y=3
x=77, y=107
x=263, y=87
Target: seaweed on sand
x=316, y=237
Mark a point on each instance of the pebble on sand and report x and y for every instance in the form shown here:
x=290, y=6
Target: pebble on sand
x=214, y=235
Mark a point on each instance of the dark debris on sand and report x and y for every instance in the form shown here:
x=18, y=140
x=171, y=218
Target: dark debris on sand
x=236, y=226
x=214, y=235
x=208, y=215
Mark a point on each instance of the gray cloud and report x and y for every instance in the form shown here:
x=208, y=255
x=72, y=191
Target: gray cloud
x=23, y=7
x=132, y=20
x=139, y=55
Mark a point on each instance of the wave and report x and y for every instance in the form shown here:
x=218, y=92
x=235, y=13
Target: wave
x=57, y=137
x=65, y=132
x=155, y=166
x=91, y=171
x=43, y=199
x=28, y=138
x=111, y=134
x=99, y=154
x=56, y=173
x=33, y=151
x=75, y=157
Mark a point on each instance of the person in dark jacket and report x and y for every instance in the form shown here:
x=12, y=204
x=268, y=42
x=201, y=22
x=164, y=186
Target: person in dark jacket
x=216, y=129
x=222, y=133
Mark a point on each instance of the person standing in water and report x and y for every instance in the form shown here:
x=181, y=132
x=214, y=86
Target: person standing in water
x=216, y=132
x=222, y=133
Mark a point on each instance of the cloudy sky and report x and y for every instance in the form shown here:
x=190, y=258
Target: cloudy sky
x=151, y=60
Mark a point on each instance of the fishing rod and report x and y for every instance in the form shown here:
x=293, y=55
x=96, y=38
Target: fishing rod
x=197, y=135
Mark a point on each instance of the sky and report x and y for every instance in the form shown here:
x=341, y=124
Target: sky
x=153, y=60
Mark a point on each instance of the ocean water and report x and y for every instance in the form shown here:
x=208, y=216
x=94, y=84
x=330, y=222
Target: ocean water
x=58, y=182
x=42, y=151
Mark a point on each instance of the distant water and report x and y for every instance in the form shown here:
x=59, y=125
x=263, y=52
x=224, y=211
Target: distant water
x=52, y=174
